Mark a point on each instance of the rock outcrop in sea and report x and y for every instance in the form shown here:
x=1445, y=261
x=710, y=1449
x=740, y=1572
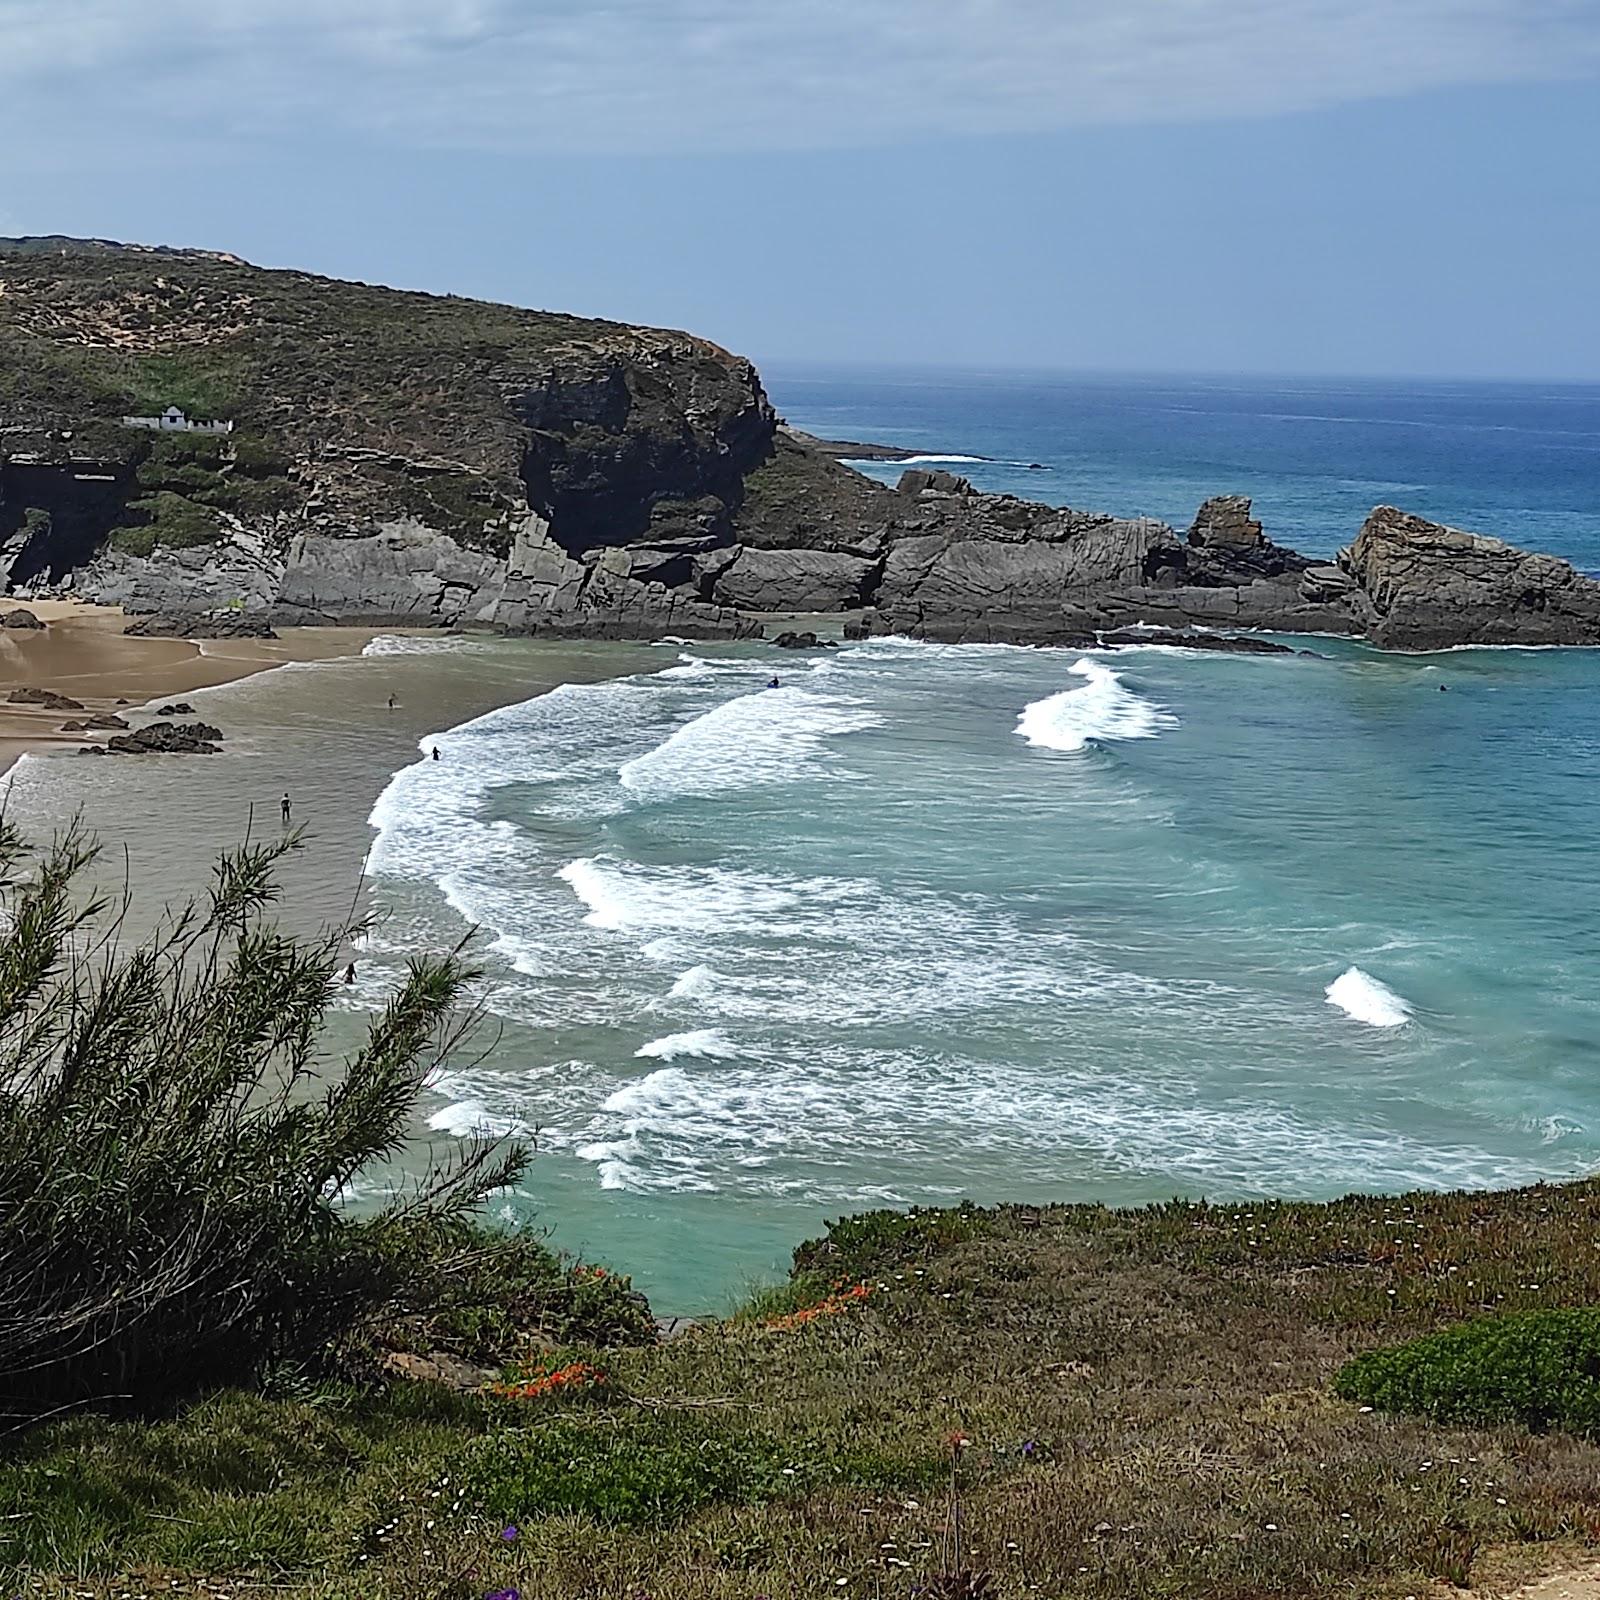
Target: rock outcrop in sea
x=384, y=457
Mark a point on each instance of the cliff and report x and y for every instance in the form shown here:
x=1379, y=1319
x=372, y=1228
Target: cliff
x=395, y=457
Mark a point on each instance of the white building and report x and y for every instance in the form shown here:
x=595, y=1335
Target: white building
x=172, y=420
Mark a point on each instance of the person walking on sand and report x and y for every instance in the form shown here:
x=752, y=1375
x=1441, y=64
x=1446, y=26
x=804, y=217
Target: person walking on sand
x=287, y=809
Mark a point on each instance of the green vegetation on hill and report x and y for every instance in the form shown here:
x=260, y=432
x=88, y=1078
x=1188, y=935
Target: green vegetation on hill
x=187, y=482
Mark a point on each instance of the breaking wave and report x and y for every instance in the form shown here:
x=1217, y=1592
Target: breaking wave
x=1360, y=996
x=1104, y=709
x=771, y=737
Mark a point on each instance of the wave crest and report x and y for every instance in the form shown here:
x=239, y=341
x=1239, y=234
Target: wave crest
x=1105, y=708
x=1360, y=996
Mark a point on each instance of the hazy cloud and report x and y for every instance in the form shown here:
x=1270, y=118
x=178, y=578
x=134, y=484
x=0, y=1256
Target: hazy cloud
x=649, y=75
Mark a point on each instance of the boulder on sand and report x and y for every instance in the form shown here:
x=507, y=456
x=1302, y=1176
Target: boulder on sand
x=220, y=624
x=48, y=698
x=20, y=618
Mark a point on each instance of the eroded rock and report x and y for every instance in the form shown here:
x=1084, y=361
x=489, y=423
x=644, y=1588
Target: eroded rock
x=30, y=695
x=164, y=739
x=1425, y=586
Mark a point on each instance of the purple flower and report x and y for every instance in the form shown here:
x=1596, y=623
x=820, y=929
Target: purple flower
x=504, y=1594
x=1029, y=1447
x=509, y=1534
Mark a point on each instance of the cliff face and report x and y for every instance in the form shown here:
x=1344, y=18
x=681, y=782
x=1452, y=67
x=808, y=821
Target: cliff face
x=391, y=455
x=396, y=457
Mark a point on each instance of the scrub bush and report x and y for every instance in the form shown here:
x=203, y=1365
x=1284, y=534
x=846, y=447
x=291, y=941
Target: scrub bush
x=174, y=1143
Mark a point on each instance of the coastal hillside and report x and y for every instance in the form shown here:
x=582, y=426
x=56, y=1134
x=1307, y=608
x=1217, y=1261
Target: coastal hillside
x=962, y=1405
x=224, y=447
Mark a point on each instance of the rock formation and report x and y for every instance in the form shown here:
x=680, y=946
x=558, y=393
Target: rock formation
x=1422, y=586
x=400, y=458
x=48, y=698
x=162, y=738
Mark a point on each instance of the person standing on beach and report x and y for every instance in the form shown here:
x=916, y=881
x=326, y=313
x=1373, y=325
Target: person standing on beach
x=391, y=702
x=288, y=810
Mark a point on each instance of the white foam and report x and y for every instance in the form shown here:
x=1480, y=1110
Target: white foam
x=399, y=644
x=629, y=897
x=698, y=983
x=773, y=736
x=471, y=1119
x=1360, y=996
x=931, y=460
x=1105, y=708
x=704, y=1044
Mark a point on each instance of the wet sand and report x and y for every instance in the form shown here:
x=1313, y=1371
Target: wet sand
x=83, y=653
x=320, y=729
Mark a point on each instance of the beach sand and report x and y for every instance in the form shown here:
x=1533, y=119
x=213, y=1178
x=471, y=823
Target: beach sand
x=320, y=729
x=82, y=652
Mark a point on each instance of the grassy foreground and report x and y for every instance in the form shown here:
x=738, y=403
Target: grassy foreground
x=1066, y=1402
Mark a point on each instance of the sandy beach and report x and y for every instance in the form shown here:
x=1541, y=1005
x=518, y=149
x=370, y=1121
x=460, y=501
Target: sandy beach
x=82, y=652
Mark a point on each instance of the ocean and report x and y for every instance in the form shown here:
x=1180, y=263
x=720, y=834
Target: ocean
x=932, y=922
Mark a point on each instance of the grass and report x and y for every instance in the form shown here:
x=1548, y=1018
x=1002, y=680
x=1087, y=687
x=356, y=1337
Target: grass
x=1146, y=1398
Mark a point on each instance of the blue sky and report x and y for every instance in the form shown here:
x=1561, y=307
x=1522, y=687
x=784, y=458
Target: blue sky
x=1337, y=186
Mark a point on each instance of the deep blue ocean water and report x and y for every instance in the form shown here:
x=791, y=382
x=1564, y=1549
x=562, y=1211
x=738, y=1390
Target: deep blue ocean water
x=1519, y=461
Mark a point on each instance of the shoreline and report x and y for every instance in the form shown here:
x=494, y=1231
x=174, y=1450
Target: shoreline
x=83, y=653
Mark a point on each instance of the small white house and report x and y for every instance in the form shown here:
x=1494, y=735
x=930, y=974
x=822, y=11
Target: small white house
x=172, y=420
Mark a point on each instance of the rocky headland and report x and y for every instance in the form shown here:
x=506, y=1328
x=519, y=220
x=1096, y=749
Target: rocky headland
x=378, y=457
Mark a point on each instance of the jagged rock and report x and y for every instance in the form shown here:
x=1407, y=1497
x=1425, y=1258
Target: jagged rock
x=94, y=724
x=794, y=580
x=1427, y=586
x=222, y=624
x=1225, y=522
x=920, y=481
x=802, y=641
x=21, y=618
x=1326, y=585
x=1195, y=639
x=163, y=738
x=48, y=698
x=181, y=709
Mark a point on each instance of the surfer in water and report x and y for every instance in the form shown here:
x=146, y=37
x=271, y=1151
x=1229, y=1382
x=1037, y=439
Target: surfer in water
x=774, y=684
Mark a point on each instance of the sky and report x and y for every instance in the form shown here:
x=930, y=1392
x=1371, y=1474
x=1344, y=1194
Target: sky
x=1383, y=187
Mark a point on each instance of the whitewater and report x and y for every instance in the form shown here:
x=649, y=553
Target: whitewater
x=928, y=921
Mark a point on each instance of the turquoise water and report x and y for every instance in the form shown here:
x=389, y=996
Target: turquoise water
x=928, y=922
